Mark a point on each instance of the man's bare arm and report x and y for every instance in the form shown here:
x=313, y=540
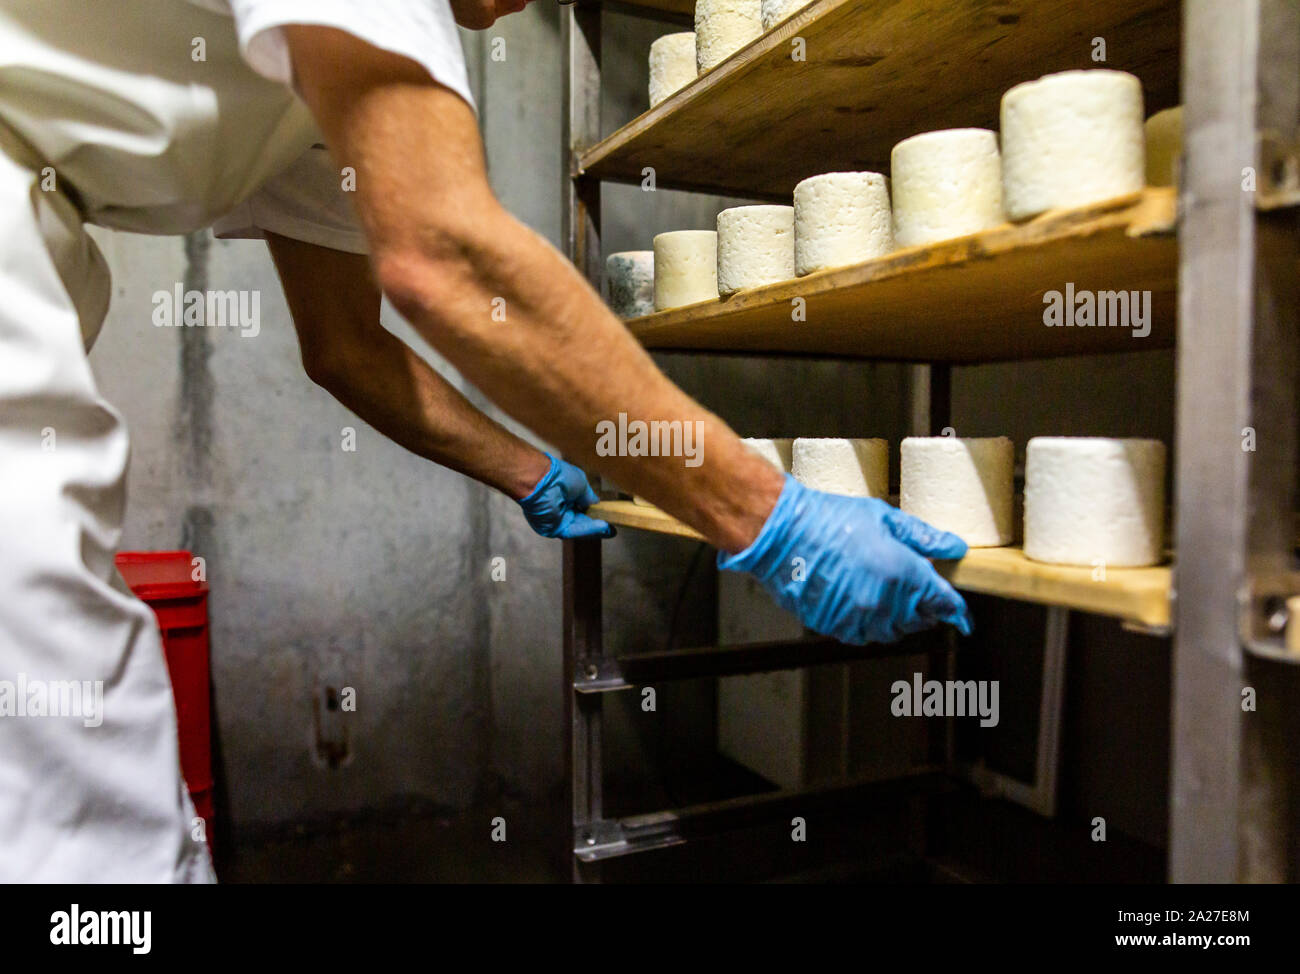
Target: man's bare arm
x=448, y=255
x=346, y=351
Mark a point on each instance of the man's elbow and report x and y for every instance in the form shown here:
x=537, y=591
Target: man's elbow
x=425, y=279
x=325, y=365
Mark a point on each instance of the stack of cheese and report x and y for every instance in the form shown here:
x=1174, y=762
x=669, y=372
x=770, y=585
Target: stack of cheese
x=1088, y=500
x=1068, y=139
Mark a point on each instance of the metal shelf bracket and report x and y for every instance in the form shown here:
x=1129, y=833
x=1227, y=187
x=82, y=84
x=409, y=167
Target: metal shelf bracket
x=1277, y=172
x=598, y=675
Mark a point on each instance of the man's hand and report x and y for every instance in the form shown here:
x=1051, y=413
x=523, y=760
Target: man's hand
x=554, y=508
x=853, y=568
x=480, y=14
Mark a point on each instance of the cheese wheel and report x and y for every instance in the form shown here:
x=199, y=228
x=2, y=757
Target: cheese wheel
x=685, y=268
x=776, y=452
x=1095, y=501
x=723, y=27
x=960, y=485
x=631, y=277
x=672, y=65
x=857, y=468
x=755, y=247
x=1071, y=139
x=945, y=184
x=841, y=218
x=1164, y=139
x=775, y=11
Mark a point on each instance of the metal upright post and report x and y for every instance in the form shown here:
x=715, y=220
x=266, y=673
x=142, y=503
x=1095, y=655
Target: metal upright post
x=582, y=561
x=930, y=412
x=1237, y=416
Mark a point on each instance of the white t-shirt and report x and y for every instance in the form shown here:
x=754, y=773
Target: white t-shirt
x=162, y=115
x=307, y=202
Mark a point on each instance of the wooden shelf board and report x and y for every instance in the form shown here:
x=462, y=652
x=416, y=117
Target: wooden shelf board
x=973, y=299
x=1134, y=594
x=876, y=72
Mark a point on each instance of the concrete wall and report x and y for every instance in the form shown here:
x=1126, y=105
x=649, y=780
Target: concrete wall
x=371, y=568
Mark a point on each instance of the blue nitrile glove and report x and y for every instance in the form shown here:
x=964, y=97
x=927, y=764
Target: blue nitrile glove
x=853, y=567
x=554, y=508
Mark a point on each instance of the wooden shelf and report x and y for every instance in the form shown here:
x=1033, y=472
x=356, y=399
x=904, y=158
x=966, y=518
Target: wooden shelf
x=1138, y=595
x=973, y=299
x=876, y=72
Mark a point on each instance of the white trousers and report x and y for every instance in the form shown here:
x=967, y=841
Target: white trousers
x=84, y=796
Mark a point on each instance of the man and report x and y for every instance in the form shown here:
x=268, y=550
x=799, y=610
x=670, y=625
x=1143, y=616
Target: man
x=162, y=116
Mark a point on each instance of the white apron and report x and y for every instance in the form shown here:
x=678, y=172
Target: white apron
x=138, y=135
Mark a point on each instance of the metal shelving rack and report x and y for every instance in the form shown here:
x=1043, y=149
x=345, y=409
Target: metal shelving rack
x=1232, y=277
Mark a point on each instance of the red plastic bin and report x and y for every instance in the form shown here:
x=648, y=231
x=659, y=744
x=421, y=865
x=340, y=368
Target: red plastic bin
x=164, y=581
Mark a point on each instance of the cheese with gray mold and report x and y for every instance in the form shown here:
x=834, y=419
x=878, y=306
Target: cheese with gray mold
x=1071, y=139
x=631, y=277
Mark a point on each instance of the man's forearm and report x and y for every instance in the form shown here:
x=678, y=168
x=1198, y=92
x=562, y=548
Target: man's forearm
x=396, y=392
x=349, y=353
x=499, y=302
x=580, y=370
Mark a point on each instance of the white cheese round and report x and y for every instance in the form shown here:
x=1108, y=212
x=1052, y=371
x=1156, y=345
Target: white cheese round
x=841, y=218
x=672, y=65
x=960, y=485
x=685, y=268
x=755, y=247
x=857, y=468
x=1094, y=501
x=723, y=27
x=779, y=453
x=775, y=11
x=1071, y=139
x=945, y=184
x=631, y=278
x=1164, y=138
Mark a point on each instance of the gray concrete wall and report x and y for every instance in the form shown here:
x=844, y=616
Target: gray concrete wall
x=370, y=569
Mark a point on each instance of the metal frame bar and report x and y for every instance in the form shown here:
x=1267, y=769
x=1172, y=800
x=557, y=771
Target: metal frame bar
x=764, y=657
x=661, y=830
x=583, y=639
x=929, y=412
x=1039, y=795
x=1237, y=353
